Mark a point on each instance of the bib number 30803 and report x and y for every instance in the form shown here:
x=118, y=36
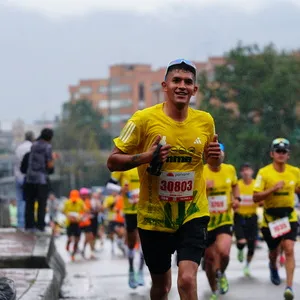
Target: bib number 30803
x=176, y=186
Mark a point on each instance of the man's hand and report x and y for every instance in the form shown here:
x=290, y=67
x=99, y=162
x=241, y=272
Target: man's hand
x=210, y=184
x=163, y=152
x=279, y=185
x=55, y=156
x=213, y=153
x=235, y=204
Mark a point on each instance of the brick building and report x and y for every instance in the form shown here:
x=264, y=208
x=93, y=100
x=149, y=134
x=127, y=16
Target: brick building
x=129, y=87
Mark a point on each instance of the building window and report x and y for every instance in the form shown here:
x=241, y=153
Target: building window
x=141, y=92
x=155, y=87
x=114, y=104
x=85, y=90
x=103, y=89
x=121, y=88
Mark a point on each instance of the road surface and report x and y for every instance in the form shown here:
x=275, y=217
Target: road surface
x=106, y=278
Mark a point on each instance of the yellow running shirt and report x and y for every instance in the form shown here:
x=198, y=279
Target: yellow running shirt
x=130, y=177
x=266, y=178
x=220, y=196
x=109, y=205
x=74, y=208
x=178, y=194
x=247, y=206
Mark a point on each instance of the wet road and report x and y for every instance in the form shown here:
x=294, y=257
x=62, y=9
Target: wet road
x=106, y=278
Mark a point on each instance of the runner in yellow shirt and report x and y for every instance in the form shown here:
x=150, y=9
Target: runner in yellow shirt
x=130, y=183
x=276, y=184
x=223, y=196
x=74, y=208
x=167, y=142
x=245, y=218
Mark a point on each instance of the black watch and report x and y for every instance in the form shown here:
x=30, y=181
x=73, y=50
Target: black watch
x=238, y=198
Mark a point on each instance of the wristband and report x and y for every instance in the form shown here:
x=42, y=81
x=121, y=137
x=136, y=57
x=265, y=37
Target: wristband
x=238, y=198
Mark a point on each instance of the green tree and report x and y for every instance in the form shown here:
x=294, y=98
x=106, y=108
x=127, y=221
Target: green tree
x=83, y=144
x=253, y=97
x=81, y=127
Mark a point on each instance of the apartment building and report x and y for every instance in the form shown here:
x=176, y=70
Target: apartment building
x=129, y=87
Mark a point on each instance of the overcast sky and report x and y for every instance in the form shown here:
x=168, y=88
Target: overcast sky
x=48, y=44
x=58, y=8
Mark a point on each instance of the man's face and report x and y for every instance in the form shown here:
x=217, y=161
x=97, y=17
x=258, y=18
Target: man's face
x=179, y=87
x=280, y=155
x=246, y=173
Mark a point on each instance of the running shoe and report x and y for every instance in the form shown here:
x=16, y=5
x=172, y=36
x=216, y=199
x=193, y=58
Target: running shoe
x=132, y=281
x=223, y=284
x=288, y=294
x=274, y=276
x=240, y=256
x=140, y=278
x=213, y=296
x=247, y=271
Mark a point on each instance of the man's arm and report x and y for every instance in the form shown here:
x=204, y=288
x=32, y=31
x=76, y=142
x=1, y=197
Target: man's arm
x=259, y=196
x=236, y=196
x=120, y=161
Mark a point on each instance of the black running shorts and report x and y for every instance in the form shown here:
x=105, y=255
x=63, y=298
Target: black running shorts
x=73, y=230
x=131, y=222
x=245, y=227
x=212, y=235
x=274, y=243
x=189, y=241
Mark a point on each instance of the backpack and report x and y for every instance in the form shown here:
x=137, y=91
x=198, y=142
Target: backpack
x=24, y=163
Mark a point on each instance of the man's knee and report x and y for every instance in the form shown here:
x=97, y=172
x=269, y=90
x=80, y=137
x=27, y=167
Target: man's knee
x=161, y=284
x=187, y=281
x=224, y=253
x=289, y=248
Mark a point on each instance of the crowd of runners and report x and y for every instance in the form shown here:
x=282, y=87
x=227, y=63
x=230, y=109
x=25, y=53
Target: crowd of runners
x=171, y=191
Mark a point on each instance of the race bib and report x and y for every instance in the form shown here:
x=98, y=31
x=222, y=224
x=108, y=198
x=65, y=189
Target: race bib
x=176, y=186
x=247, y=200
x=280, y=227
x=218, y=204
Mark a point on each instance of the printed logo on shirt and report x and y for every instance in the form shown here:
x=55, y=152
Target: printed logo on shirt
x=197, y=141
x=127, y=131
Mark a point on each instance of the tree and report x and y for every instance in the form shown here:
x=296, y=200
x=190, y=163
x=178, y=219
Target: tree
x=83, y=143
x=253, y=99
x=81, y=128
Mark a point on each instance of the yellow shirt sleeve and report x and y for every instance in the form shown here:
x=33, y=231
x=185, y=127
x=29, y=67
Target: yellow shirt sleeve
x=298, y=177
x=259, y=185
x=234, y=176
x=116, y=176
x=210, y=129
x=65, y=208
x=131, y=135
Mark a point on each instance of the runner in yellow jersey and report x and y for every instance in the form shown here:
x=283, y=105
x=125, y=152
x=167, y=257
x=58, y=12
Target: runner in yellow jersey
x=223, y=196
x=245, y=218
x=130, y=183
x=276, y=184
x=167, y=142
x=74, y=208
